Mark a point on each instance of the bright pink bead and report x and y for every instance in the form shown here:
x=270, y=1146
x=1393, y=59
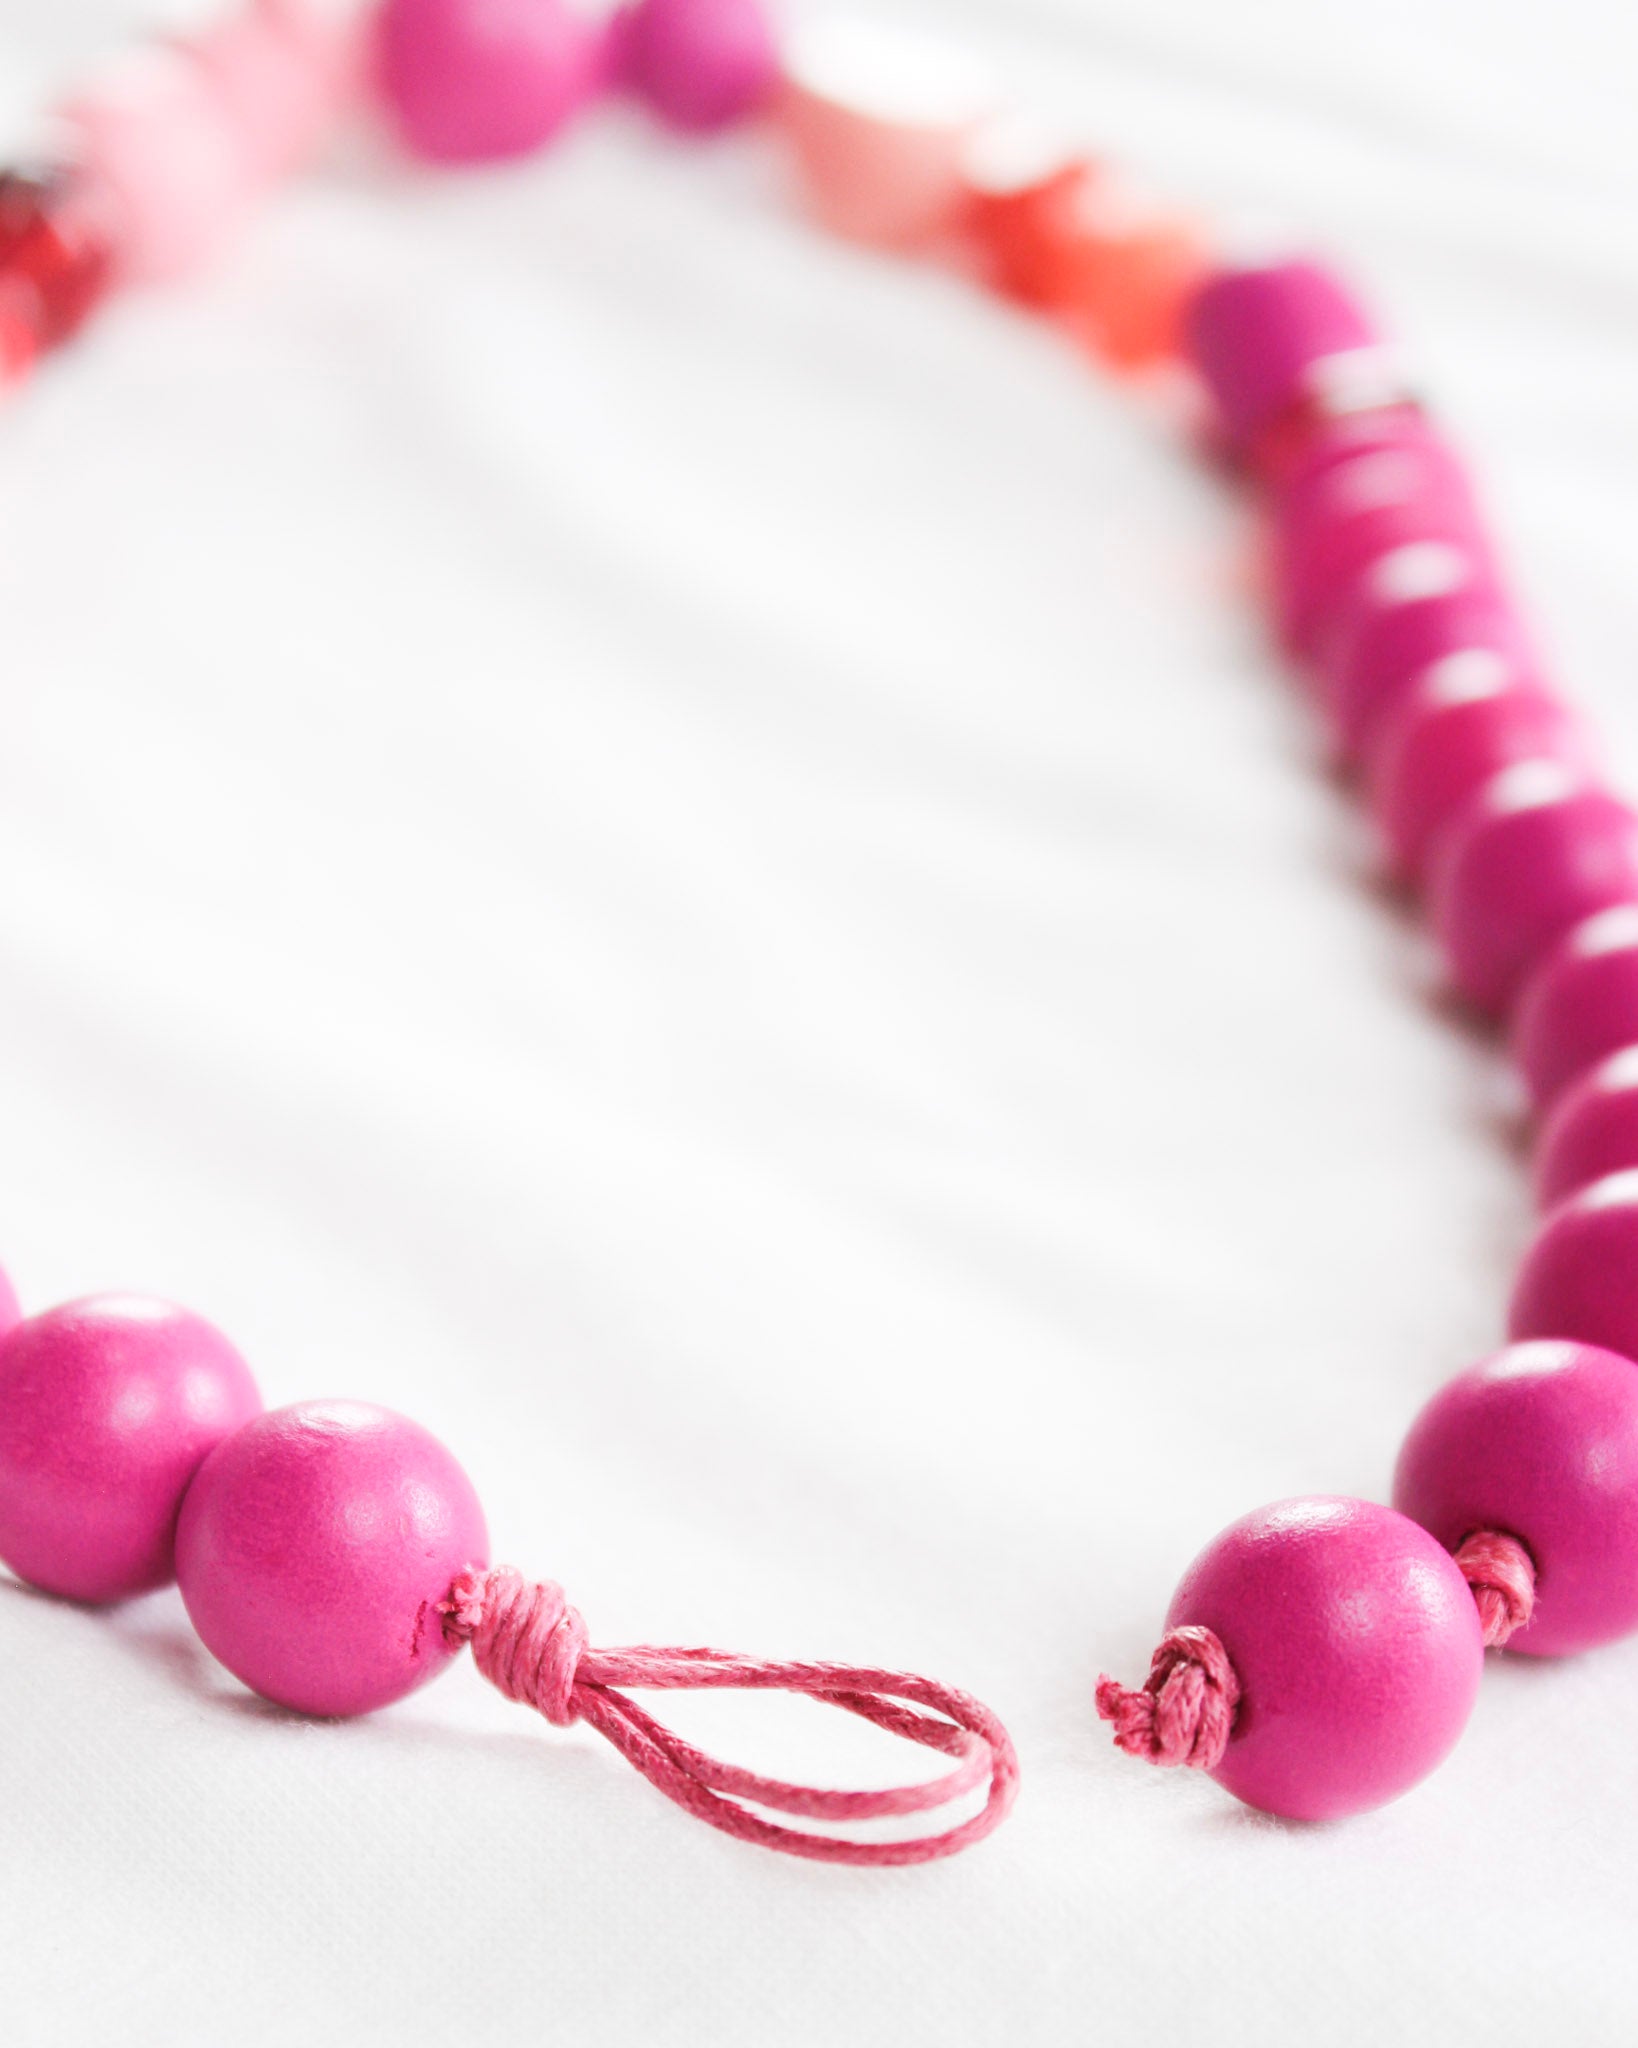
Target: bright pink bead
x=314, y=1548
x=1579, y=1279
x=1580, y=1003
x=1357, y=1646
x=1592, y=1130
x=700, y=64
x=1466, y=718
x=106, y=1409
x=1535, y=852
x=470, y=81
x=1539, y=1443
x=1266, y=340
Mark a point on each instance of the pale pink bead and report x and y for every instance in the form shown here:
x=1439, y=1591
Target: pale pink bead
x=332, y=37
x=471, y=81
x=278, y=98
x=1535, y=852
x=1580, y=1003
x=1592, y=1130
x=314, y=1547
x=700, y=64
x=1580, y=1277
x=155, y=144
x=1357, y=1646
x=1540, y=1443
x=879, y=124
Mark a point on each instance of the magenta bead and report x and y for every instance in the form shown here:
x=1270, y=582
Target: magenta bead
x=1261, y=339
x=1580, y=1003
x=700, y=64
x=1579, y=1279
x=314, y=1548
x=1358, y=1649
x=1535, y=852
x=1539, y=1443
x=1592, y=1130
x=1460, y=723
x=107, y=1408
x=469, y=82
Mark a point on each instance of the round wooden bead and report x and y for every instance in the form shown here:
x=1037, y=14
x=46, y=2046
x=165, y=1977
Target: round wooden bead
x=314, y=1548
x=1592, y=1130
x=1579, y=1279
x=468, y=81
x=1535, y=852
x=700, y=64
x=107, y=1408
x=271, y=84
x=1357, y=1646
x=1580, y=1003
x=1540, y=1443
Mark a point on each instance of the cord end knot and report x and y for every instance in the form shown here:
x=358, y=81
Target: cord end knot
x=526, y=1639
x=1184, y=1711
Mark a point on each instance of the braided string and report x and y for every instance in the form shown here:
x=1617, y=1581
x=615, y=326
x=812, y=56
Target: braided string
x=531, y=1644
x=1502, y=1574
x=1184, y=1711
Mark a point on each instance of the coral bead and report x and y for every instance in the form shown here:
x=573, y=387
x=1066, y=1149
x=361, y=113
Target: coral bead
x=1463, y=721
x=1540, y=1443
x=471, y=81
x=1592, y=1130
x=1535, y=852
x=107, y=1408
x=1581, y=1003
x=700, y=64
x=1023, y=193
x=1358, y=1649
x=314, y=1548
x=1579, y=1279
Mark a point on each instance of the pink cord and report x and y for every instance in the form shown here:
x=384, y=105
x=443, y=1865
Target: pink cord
x=1184, y=1712
x=1502, y=1574
x=530, y=1643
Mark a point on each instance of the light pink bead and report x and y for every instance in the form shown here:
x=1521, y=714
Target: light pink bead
x=700, y=64
x=1357, y=1646
x=1592, y=1130
x=1535, y=852
x=314, y=1548
x=106, y=1409
x=879, y=126
x=1579, y=1279
x=1580, y=1003
x=156, y=145
x=277, y=96
x=1466, y=718
x=471, y=81
x=1539, y=1443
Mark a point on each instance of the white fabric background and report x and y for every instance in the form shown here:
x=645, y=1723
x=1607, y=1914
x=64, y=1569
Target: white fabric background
x=675, y=849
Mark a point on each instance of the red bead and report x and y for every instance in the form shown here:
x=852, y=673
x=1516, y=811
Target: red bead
x=1021, y=217
x=1592, y=1131
x=54, y=266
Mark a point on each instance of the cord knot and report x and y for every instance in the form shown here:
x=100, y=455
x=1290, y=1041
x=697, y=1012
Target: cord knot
x=1184, y=1712
x=1502, y=1574
x=526, y=1639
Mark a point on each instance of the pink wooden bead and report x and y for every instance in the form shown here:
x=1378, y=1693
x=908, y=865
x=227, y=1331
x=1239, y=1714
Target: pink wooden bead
x=1464, y=719
x=471, y=81
x=1592, y=1130
x=700, y=64
x=278, y=98
x=1580, y=1003
x=1357, y=1646
x=1580, y=1277
x=1539, y=1443
x=1535, y=852
x=879, y=125
x=314, y=1548
x=107, y=1407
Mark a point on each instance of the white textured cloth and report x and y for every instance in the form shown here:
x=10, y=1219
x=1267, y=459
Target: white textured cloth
x=676, y=849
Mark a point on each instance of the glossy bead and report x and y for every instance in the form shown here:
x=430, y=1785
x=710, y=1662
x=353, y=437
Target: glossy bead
x=1266, y=339
x=1535, y=852
x=1539, y=1442
x=467, y=81
x=107, y=1408
x=879, y=122
x=1579, y=1279
x=1463, y=720
x=1580, y=1003
x=314, y=1548
x=1592, y=1130
x=700, y=64
x=1357, y=1646
x=52, y=255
